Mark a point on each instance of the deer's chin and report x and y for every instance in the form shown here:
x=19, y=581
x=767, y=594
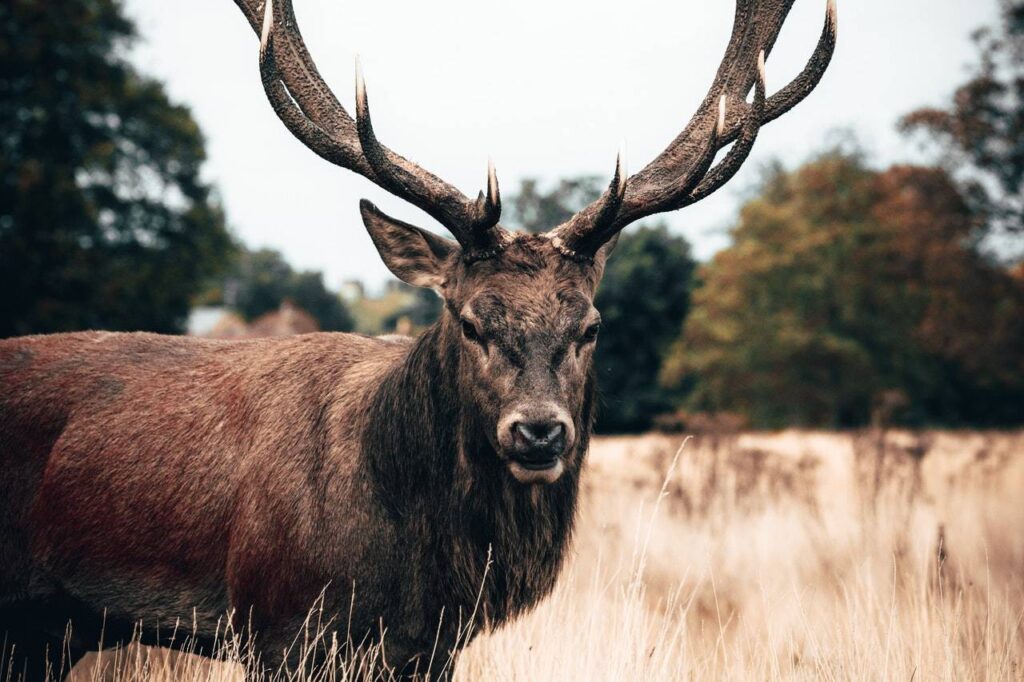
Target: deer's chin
x=530, y=475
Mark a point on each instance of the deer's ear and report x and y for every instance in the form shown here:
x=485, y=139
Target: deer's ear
x=414, y=255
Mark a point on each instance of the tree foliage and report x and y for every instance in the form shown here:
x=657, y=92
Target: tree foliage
x=643, y=299
x=844, y=284
x=981, y=132
x=259, y=281
x=535, y=209
x=104, y=219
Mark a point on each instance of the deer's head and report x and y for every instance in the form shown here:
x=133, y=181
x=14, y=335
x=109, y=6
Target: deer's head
x=520, y=307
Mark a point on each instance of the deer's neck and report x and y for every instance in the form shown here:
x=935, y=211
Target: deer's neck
x=474, y=529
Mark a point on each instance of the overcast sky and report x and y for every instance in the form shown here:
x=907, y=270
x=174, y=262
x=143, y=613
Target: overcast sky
x=548, y=88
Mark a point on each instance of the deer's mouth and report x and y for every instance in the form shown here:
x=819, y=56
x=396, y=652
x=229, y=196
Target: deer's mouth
x=538, y=462
x=543, y=469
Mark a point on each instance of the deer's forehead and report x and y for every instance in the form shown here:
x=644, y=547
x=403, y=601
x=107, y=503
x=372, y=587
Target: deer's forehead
x=535, y=307
x=530, y=266
x=528, y=287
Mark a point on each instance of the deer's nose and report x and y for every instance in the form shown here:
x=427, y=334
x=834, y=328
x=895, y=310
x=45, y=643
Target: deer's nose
x=542, y=438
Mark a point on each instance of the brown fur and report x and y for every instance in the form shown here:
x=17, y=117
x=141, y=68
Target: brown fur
x=157, y=478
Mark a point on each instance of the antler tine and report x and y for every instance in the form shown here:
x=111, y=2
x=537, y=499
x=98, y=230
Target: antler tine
x=570, y=239
x=585, y=232
x=297, y=69
x=676, y=178
x=311, y=111
x=470, y=222
x=489, y=204
x=309, y=133
x=808, y=79
x=616, y=191
x=800, y=87
x=752, y=121
x=302, y=78
x=493, y=205
x=252, y=9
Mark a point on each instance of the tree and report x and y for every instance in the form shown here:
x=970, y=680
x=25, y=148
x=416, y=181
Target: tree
x=104, y=219
x=981, y=133
x=309, y=293
x=533, y=209
x=643, y=300
x=259, y=281
x=844, y=283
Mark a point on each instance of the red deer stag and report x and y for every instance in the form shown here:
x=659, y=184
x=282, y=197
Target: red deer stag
x=150, y=479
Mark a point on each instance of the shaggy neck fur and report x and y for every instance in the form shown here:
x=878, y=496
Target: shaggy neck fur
x=451, y=495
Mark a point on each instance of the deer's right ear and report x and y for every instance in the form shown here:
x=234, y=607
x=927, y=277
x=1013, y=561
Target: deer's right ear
x=414, y=255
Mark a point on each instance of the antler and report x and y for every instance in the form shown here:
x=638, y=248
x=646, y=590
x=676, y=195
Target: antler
x=683, y=173
x=308, y=108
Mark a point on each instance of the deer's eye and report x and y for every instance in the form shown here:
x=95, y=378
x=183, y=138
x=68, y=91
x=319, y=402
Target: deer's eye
x=470, y=332
x=590, y=335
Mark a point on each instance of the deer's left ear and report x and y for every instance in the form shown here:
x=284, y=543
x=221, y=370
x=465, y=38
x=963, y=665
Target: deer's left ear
x=414, y=255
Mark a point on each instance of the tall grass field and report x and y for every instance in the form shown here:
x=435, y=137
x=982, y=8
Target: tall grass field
x=874, y=555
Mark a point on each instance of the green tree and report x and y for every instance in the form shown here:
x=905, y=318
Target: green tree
x=104, y=219
x=259, y=281
x=643, y=300
x=844, y=283
x=981, y=132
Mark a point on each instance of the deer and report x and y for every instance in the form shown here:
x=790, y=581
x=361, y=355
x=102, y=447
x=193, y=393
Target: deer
x=416, y=489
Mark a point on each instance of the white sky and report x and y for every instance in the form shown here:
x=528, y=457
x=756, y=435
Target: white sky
x=548, y=88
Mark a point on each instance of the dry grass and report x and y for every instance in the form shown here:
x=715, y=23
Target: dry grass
x=783, y=556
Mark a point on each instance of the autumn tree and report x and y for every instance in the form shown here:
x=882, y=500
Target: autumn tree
x=843, y=283
x=981, y=132
x=105, y=221
x=643, y=298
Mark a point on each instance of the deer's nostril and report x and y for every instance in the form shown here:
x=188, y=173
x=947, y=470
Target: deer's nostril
x=554, y=431
x=537, y=434
x=522, y=432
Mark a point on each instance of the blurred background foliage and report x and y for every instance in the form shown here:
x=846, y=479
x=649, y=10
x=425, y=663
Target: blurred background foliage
x=105, y=221
x=848, y=291
x=980, y=134
x=258, y=282
x=844, y=283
